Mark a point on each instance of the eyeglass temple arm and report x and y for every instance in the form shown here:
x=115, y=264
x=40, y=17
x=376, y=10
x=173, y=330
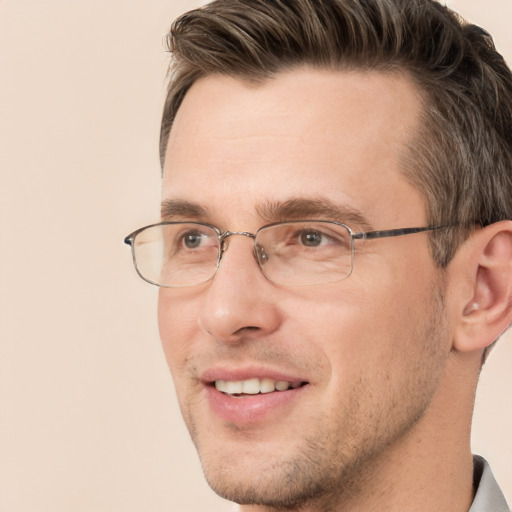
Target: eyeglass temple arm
x=368, y=235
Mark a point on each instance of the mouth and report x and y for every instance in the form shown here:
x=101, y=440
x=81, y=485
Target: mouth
x=254, y=386
x=250, y=398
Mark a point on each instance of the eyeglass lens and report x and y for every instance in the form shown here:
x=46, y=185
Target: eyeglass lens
x=293, y=253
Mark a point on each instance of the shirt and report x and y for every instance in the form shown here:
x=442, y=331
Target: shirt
x=488, y=496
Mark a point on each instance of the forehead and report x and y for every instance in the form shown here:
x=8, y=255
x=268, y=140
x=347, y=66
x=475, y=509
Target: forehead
x=306, y=133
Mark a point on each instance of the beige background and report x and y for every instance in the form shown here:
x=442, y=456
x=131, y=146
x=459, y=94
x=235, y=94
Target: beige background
x=88, y=419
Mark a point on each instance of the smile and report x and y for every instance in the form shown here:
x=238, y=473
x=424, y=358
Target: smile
x=254, y=386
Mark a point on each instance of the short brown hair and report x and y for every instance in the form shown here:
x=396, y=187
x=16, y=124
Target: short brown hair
x=462, y=160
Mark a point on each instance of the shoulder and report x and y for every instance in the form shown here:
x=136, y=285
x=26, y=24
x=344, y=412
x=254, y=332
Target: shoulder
x=488, y=495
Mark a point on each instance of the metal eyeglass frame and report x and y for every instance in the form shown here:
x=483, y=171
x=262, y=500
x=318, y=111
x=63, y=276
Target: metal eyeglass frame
x=223, y=235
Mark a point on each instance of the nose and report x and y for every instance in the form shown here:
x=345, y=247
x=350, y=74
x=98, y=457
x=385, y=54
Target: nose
x=239, y=302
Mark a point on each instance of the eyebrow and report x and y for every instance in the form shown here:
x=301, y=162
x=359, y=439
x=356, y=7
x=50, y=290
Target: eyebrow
x=275, y=211
x=174, y=208
x=319, y=208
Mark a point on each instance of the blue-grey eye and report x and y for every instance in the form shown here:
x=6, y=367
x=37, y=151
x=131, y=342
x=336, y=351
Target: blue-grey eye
x=311, y=238
x=193, y=240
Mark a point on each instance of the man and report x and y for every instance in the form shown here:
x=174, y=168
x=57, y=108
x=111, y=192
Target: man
x=335, y=252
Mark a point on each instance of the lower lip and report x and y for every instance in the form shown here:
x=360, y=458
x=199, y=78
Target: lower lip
x=250, y=408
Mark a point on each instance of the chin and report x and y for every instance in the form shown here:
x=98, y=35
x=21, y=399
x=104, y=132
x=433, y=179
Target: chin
x=270, y=479
x=274, y=491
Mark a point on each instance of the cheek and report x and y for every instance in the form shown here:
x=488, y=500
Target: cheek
x=381, y=348
x=177, y=323
x=331, y=327
x=368, y=326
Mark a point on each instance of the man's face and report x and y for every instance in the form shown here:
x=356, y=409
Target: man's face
x=362, y=357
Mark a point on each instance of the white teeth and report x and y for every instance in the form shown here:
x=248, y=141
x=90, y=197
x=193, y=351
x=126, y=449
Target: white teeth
x=253, y=386
x=233, y=387
x=282, y=385
x=267, y=386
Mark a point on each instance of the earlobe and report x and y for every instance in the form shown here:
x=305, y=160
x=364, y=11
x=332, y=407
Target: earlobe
x=486, y=307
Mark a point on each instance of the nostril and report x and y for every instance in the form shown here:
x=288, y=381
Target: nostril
x=249, y=328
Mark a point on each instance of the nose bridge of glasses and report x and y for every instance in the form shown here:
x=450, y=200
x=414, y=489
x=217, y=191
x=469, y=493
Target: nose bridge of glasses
x=224, y=236
x=227, y=234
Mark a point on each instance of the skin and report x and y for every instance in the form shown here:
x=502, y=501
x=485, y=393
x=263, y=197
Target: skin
x=376, y=349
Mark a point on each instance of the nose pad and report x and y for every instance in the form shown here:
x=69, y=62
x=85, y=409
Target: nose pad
x=223, y=247
x=260, y=254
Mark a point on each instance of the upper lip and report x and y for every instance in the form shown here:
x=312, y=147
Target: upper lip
x=248, y=372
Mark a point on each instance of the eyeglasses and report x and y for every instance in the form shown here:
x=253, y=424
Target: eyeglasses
x=295, y=253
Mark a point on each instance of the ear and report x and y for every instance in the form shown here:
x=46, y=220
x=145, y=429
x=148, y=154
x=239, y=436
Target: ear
x=484, y=270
